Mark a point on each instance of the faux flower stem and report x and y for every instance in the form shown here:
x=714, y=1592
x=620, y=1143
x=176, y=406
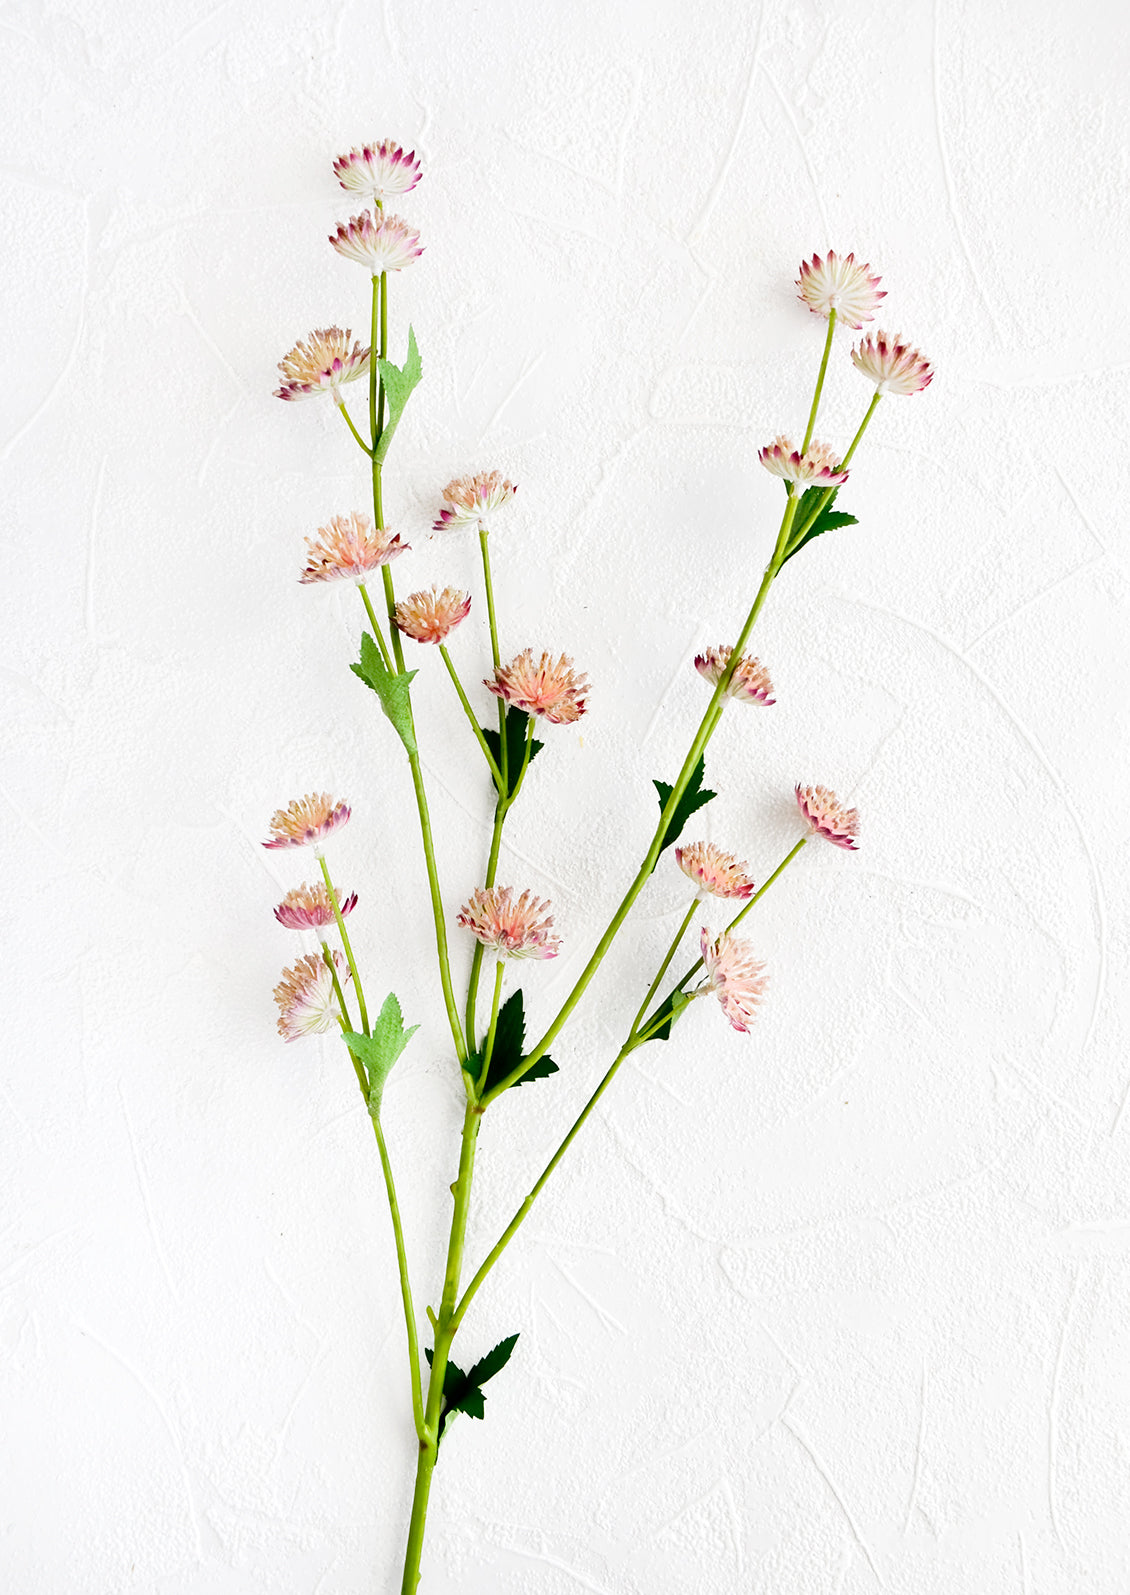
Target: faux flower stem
x=349, y=423
x=347, y=1022
x=826, y=497
x=405, y=1287
x=811, y=427
x=496, y=658
x=496, y=773
x=701, y=738
x=374, y=369
x=344, y=934
x=488, y=1045
x=380, y=426
x=378, y=631
x=664, y=966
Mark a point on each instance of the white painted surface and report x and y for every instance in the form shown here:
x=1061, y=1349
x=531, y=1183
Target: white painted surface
x=838, y=1307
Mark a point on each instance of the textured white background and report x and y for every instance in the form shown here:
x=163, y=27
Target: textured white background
x=839, y=1307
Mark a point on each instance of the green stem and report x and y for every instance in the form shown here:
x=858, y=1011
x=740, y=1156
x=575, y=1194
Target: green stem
x=374, y=369
x=380, y=426
x=344, y=934
x=698, y=745
x=378, y=631
x=501, y=809
x=819, y=384
x=664, y=966
x=488, y=1045
x=347, y=1022
x=496, y=773
x=826, y=497
x=405, y=1287
x=352, y=428
x=496, y=657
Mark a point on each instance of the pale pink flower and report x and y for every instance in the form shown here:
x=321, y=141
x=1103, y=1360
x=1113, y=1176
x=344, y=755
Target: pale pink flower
x=309, y=907
x=433, y=615
x=349, y=547
x=387, y=244
x=750, y=681
x=826, y=816
x=378, y=170
x=321, y=363
x=838, y=283
x=510, y=927
x=714, y=871
x=308, y=1004
x=471, y=498
x=891, y=363
x=818, y=466
x=734, y=975
x=550, y=687
x=307, y=821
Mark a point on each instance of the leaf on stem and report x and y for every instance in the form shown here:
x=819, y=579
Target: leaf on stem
x=380, y=1050
x=693, y=798
x=672, y=1006
x=391, y=689
x=463, y=1392
x=509, y=1039
x=398, y=381
x=516, y=722
x=827, y=520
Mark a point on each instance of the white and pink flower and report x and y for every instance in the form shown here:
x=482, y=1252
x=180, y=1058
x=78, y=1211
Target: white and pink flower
x=322, y=363
x=386, y=244
x=378, y=170
x=309, y=908
x=471, y=498
x=350, y=547
x=431, y=616
x=750, y=681
x=826, y=816
x=308, y=1004
x=818, y=466
x=549, y=688
x=307, y=821
x=735, y=976
x=713, y=871
x=510, y=927
x=838, y=283
x=892, y=364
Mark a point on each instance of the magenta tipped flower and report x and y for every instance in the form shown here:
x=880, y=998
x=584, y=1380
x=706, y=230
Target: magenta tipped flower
x=838, y=284
x=378, y=170
x=509, y=927
x=309, y=908
x=432, y=616
x=349, y=547
x=307, y=1002
x=750, y=681
x=321, y=364
x=471, y=498
x=819, y=466
x=734, y=975
x=713, y=871
x=891, y=363
x=826, y=816
x=307, y=821
x=550, y=687
x=387, y=244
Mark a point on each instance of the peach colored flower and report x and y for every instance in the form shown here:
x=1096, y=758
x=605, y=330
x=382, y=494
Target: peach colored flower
x=509, y=927
x=714, y=871
x=433, y=615
x=734, y=975
x=307, y=1002
x=309, y=907
x=378, y=170
x=387, y=244
x=321, y=363
x=470, y=498
x=818, y=466
x=551, y=687
x=349, y=547
x=750, y=681
x=838, y=283
x=307, y=821
x=891, y=363
x=826, y=816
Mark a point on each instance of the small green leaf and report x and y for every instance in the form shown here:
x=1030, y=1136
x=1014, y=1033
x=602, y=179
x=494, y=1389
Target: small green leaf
x=672, y=1006
x=693, y=798
x=509, y=1039
x=380, y=1050
x=391, y=689
x=516, y=721
x=494, y=1361
x=827, y=520
x=463, y=1392
x=399, y=381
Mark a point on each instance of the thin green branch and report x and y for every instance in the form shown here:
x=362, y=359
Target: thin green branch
x=810, y=428
x=344, y=934
x=496, y=773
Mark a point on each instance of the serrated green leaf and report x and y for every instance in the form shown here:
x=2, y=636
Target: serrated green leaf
x=516, y=722
x=672, y=1006
x=463, y=1392
x=506, y=1055
x=693, y=799
x=494, y=1361
x=391, y=689
x=827, y=521
x=399, y=381
x=380, y=1050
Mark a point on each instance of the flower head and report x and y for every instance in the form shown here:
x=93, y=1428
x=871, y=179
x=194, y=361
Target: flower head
x=470, y=498
x=321, y=363
x=378, y=170
x=826, y=816
x=433, y=615
x=714, y=871
x=307, y=1002
x=387, y=244
x=510, y=927
x=307, y=821
x=750, y=681
x=818, y=466
x=549, y=687
x=735, y=976
x=350, y=546
x=837, y=283
x=309, y=907
x=891, y=363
